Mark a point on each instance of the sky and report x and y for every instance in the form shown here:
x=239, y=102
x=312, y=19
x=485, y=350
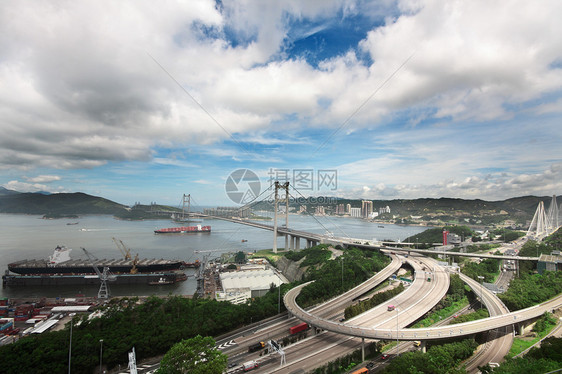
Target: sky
x=144, y=101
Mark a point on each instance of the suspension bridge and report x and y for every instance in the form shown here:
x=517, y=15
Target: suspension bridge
x=544, y=223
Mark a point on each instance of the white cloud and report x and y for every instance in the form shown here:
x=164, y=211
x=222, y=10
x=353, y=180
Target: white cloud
x=80, y=89
x=31, y=187
x=43, y=179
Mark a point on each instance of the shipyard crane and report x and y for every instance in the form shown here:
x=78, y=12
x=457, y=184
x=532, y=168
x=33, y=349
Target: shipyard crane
x=126, y=252
x=104, y=276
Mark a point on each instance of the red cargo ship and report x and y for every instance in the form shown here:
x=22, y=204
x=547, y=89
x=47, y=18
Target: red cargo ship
x=184, y=230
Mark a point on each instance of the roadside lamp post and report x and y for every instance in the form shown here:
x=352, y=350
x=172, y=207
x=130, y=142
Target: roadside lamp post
x=279, y=300
x=101, y=354
x=481, y=291
x=70, y=343
x=397, y=352
x=342, y=272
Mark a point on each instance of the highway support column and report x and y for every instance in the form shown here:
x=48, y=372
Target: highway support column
x=362, y=349
x=423, y=347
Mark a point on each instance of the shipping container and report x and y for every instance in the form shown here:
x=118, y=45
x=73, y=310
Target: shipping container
x=298, y=328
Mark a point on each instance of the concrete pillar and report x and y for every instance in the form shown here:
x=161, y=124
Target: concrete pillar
x=297, y=243
x=520, y=328
x=287, y=242
x=362, y=349
x=422, y=346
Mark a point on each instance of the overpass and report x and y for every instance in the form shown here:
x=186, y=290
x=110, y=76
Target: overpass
x=430, y=333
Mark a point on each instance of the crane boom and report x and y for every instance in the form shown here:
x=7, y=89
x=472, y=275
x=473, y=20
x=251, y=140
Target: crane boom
x=92, y=262
x=103, y=292
x=122, y=248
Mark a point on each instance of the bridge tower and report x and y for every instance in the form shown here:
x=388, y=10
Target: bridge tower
x=544, y=223
x=284, y=199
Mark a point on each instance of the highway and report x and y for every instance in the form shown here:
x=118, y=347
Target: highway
x=499, y=339
x=462, y=329
x=332, y=309
x=324, y=347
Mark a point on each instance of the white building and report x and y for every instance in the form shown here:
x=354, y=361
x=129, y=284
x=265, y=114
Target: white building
x=239, y=286
x=355, y=212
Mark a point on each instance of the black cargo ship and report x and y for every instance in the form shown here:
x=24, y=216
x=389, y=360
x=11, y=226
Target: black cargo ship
x=60, y=263
x=60, y=269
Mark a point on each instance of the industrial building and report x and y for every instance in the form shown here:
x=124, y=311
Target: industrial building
x=551, y=262
x=249, y=282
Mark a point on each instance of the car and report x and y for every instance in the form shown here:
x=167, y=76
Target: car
x=384, y=356
x=455, y=316
x=370, y=365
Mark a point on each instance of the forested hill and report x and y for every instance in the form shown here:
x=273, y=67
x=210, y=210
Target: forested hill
x=60, y=204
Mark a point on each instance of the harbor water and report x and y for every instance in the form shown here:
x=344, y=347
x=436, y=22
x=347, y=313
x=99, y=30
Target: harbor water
x=31, y=237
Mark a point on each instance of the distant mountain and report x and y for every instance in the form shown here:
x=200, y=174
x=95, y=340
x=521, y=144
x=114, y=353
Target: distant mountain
x=5, y=191
x=517, y=211
x=59, y=204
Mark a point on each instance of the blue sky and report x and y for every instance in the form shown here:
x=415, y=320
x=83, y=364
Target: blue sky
x=138, y=101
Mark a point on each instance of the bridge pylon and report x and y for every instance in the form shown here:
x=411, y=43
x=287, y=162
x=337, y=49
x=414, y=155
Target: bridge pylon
x=544, y=223
x=285, y=199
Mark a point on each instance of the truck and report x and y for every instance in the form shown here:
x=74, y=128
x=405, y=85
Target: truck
x=390, y=308
x=298, y=328
x=256, y=347
x=250, y=365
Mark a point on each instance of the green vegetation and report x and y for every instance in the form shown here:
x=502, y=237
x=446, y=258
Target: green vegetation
x=479, y=314
x=376, y=299
x=538, y=361
x=197, y=355
x=481, y=247
x=508, y=235
x=435, y=235
x=488, y=268
x=58, y=205
x=439, y=359
x=151, y=327
x=542, y=327
x=346, y=363
x=545, y=323
x=333, y=277
x=455, y=299
x=314, y=256
x=532, y=289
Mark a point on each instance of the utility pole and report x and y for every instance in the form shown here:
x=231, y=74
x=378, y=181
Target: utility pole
x=101, y=354
x=70, y=345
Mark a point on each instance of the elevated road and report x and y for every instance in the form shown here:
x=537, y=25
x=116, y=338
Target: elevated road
x=462, y=329
x=499, y=340
x=412, y=303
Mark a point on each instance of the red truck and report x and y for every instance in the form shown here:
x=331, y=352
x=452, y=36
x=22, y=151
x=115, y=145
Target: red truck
x=298, y=328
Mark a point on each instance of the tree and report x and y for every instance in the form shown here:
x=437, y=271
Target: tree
x=240, y=257
x=197, y=355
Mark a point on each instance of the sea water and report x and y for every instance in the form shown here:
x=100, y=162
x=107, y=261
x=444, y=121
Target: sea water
x=32, y=237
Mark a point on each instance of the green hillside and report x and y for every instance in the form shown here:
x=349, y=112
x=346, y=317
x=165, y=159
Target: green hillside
x=58, y=205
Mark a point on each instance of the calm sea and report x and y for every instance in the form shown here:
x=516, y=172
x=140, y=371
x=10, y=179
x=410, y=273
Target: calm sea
x=31, y=237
